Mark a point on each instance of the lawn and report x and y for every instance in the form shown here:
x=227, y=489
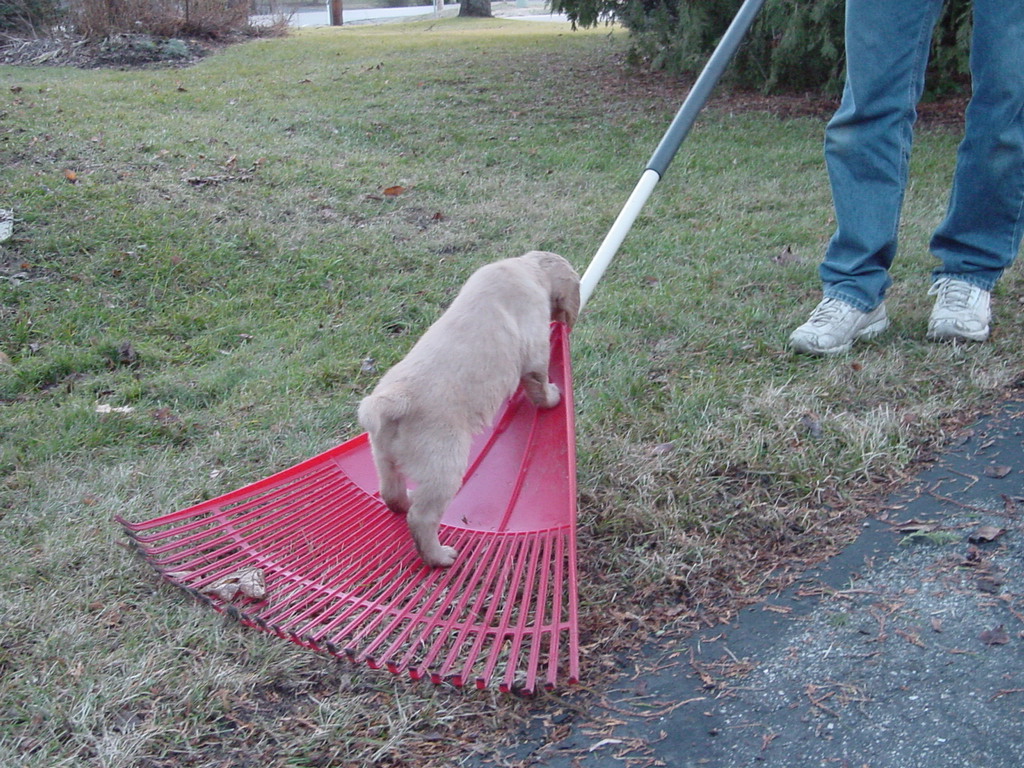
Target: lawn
x=218, y=252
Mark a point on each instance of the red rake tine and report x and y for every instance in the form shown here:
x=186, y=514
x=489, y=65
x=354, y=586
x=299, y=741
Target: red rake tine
x=450, y=583
x=338, y=572
x=487, y=602
x=539, y=601
x=436, y=580
x=254, y=550
x=518, y=634
x=373, y=610
x=250, y=519
x=570, y=623
x=511, y=543
x=503, y=629
x=461, y=592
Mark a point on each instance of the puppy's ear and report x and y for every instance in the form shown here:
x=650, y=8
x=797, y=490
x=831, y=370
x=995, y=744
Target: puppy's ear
x=565, y=295
x=565, y=305
x=563, y=285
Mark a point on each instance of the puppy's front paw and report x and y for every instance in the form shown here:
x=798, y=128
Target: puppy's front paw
x=442, y=557
x=552, y=396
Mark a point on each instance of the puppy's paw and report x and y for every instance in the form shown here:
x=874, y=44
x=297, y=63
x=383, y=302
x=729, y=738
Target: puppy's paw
x=400, y=506
x=442, y=557
x=552, y=396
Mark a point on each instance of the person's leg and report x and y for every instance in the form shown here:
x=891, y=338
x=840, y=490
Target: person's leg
x=867, y=153
x=981, y=234
x=868, y=142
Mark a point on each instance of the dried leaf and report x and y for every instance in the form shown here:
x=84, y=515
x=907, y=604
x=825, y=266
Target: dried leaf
x=989, y=584
x=394, y=191
x=252, y=583
x=126, y=354
x=248, y=582
x=6, y=224
x=997, y=471
x=165, y=416
x=70, y=176
x=916, y=526
x=812, y=424
x=997, y=636
x=103, y=408
x=224, y=590
x=986, y=533
x=786, y=256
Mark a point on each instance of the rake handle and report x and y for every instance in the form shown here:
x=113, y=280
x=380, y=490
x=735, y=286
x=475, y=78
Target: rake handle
x=669, y=145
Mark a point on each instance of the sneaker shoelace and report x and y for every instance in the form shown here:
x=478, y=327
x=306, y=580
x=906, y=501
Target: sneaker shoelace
x=953, y=294
x=827, y=312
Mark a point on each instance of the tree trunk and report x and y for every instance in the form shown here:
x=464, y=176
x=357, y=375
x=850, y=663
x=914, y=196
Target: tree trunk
x=475, y=8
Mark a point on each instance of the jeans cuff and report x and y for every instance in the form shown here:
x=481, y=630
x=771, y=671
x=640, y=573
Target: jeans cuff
x=986, y=284
x=847, y=299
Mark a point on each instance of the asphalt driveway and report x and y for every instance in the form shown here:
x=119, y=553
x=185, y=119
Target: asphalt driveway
x=904, y=651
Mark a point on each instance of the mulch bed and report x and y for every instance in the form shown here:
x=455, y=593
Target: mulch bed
x=117, y=51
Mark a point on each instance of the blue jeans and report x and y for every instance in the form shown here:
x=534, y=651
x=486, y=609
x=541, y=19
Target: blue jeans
x=868, y=142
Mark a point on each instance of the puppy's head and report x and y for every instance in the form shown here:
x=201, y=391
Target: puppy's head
x=562, y=282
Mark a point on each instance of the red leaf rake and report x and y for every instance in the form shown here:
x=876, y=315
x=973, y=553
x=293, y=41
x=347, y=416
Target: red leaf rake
x=312, y=555
x=340, y=574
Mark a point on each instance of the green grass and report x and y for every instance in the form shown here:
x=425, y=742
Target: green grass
x=227, y=225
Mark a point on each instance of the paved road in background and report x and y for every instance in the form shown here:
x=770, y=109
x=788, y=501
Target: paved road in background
x=321, y=18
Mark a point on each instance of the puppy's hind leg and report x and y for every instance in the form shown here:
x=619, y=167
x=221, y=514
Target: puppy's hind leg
x=392, y=487
x=392, y=482
x=429, y=502
x=380, y=415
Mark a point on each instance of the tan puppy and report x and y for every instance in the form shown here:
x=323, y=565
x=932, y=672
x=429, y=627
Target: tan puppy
x=424, y=412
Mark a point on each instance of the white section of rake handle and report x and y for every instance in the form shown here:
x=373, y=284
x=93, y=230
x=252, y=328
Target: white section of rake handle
x=617, y=234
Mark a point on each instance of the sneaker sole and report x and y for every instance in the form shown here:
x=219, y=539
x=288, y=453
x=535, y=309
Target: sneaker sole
x=953, y=335
x=866, y=333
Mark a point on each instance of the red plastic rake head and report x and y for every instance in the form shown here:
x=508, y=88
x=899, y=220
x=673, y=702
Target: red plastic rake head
x=312, y=555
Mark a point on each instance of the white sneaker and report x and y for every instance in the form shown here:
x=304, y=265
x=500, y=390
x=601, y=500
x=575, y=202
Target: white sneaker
x=961, y=311
x=834, y=325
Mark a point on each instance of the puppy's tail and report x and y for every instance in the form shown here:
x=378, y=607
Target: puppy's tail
x=376, y=411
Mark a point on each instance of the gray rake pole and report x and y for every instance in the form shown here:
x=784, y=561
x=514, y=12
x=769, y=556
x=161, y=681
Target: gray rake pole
x=670, y=142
